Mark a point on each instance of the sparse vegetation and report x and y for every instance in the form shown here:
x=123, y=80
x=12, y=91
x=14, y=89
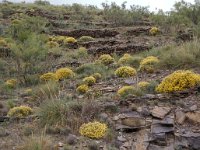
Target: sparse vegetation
x=93, y=75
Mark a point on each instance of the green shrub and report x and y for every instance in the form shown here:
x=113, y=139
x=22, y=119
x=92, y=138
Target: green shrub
x=85, y=39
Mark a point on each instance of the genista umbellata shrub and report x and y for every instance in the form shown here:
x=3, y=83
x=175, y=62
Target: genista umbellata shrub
x=94, y=130
x=48, y=77
x=89, y=80
x=82, y=88
x=178, y=81
x=125, y=71
x=64, y=73
x=106, y=59
x=125, y=90
x=148, y=64
x=20, y=112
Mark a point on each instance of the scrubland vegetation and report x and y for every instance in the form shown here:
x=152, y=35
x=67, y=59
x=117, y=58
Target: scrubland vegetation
x=74, y=76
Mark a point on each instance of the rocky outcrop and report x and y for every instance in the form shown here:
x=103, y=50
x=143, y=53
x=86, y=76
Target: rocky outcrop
x=95, y=33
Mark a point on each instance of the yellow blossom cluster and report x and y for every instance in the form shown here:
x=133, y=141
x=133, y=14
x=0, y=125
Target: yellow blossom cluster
x=11, y=83
x=125, y=90
x=64, y=73
x=89, y=80
x=19, y=112
x=3, y=43
x=82, y=89
x=154, y=31
x=52, y=44
x=125, y=71
x=148, y=64
x=143, y=84
x=50, y=76
x=97, y=76
x=95, y=130
x=125, y=59
x=178, y=81
x=106, y=59
x=70, y=40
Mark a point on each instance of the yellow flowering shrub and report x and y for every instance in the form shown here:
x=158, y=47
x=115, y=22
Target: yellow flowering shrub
x=178, y=81
x=11, y=83
x=97, y=76
x=59, y=39
x=3, y=43
x=143, y=84
x=125, y=71
x=154, y=31
x=19, y=112
x=64, y=73
x=52, y=44
x=95, y=130
x=48, y=77
x=126, y=58
x=106, y=59
x=125, y=90
x=148, y=64
x=82, y=88
x=89, y=80
x=70, y=40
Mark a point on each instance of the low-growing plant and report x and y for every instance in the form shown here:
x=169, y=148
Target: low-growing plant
x=48, y=77
x=95, y=130
x=178, y=81
x=106, y=59
x=11, y=83
x=82, y=89
x=97, y=76
x=125, y=71
x=125, y=59
x=143, y=85
x=125, y=91
x=70, y=40
x=52, y=44
x=85, y=39
x=89, y=80
x=154, y=31
x=148, y=64
x=19, y=112
x=36, y=143
x=64, y=73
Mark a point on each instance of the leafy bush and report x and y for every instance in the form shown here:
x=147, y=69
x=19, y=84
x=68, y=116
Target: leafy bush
x=106, y=59
x=89, y=80
x=70, y=40
x=19, y=112
x=125, y=91
x=85, y=39
x=82, y=89
x=82, y=52
x=125, y=59
x=143, y=85
x=148, y=64
x=11, y=83
x=125, y=71
x=52, y=44
x=48, y=77
x=178, y=81
x=3, y=43
x=97, y=76
x=95, y=130
x=154, y=31
x=64, y=73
